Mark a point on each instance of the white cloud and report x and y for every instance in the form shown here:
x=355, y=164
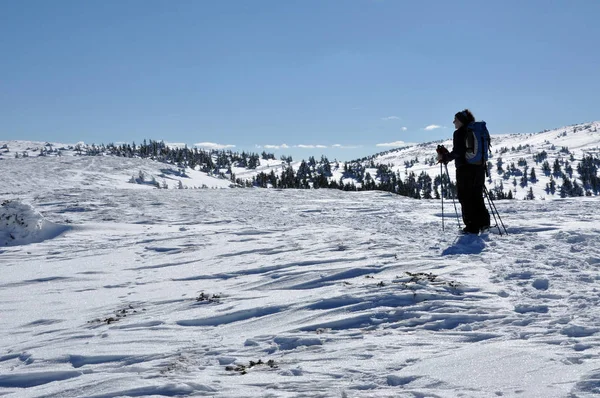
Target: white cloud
x=212, y=145
x=282, y=146
x=394, y=144
x=390, y=118
x=340, y=146
x=404, y=128
x=310, y=146
x=432, y=127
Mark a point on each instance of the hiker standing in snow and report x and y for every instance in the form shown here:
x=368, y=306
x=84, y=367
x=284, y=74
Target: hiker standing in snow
x=470, y=178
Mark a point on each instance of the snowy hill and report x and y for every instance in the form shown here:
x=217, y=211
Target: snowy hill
x=112, y=288
x=539, y=166
x=581, y=140
x=517, y=154
x=64, y=162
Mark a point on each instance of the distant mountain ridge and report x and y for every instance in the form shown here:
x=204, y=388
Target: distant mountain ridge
x=550, y=164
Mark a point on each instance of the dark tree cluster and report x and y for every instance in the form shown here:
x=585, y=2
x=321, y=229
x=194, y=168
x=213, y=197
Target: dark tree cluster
x=207, y=161
x=540, y=157
x=588, y=173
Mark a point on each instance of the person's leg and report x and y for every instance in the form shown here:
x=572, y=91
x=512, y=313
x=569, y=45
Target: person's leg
x=465, y=179
x=481, y=216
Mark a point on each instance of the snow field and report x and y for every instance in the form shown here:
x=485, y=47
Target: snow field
x=193, y=292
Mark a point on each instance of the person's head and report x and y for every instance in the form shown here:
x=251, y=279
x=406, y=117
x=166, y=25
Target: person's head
x=463, y=118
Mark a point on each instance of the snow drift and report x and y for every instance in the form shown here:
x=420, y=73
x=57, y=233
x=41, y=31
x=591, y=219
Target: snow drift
x=20, y=224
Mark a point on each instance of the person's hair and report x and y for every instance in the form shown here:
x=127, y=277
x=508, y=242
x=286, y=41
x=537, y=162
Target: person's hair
x=465, y=116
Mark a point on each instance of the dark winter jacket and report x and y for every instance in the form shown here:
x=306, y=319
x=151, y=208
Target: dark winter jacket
x=459, y=147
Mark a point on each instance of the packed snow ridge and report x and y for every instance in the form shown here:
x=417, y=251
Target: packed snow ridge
x=20, y=224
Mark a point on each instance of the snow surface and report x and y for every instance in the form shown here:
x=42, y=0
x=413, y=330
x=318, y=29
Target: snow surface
x=113, y=289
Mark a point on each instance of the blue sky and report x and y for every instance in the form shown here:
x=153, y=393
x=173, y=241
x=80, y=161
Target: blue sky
x=344, y=78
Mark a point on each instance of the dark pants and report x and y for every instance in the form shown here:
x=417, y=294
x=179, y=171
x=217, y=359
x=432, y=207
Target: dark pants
x=470, y=181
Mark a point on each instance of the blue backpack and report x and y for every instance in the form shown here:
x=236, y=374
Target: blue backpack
x=478, y=143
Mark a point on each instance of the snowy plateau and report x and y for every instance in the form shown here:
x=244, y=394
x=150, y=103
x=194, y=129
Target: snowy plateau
x=111, y=287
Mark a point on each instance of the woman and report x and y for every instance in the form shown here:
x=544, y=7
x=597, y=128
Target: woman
x=470, y=178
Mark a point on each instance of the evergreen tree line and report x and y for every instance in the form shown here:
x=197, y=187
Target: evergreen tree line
x=355, y=177
x=206, y=161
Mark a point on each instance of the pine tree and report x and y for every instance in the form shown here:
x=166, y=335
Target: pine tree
x=546, y=168
x=532, y=176
x=552, y=185
x=524, y=180
x=569, y=170
x=303, y=172
x=368, y=181
x=566, y=188
x=577, y=190
x=499, y=164
x=325, y=167
x=530, y=195
x=556, y=169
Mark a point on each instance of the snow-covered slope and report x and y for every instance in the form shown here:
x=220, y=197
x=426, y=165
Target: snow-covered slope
x=569, y=145
x=581, y=140
x=111, y=288
x=94, y=171
x=292, y=293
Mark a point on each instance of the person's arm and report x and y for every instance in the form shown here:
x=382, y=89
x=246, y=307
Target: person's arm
x=459, y=146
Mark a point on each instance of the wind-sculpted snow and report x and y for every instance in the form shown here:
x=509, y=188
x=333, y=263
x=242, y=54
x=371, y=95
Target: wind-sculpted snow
x=20, y=224
x=268, y=293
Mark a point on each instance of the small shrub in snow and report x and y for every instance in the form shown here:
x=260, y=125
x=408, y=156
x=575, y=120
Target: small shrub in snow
x=208, y=298
x=20, y=224
x=120, y=314
x=243, y=369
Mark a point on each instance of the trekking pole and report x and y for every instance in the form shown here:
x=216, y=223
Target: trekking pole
x=453, y=201
x=494, y=209
x=442, y=187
